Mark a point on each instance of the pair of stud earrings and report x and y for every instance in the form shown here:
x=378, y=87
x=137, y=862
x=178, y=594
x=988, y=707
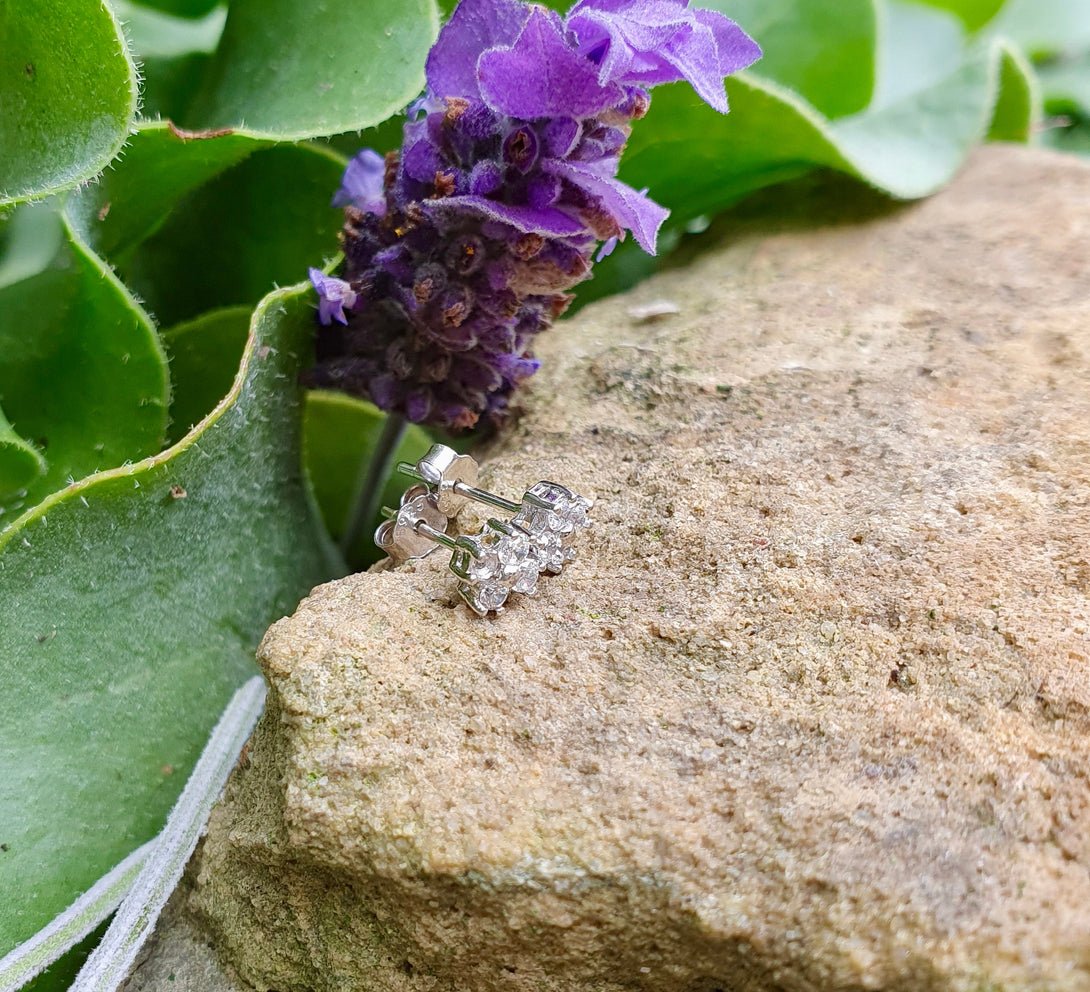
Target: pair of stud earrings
x=505, y=556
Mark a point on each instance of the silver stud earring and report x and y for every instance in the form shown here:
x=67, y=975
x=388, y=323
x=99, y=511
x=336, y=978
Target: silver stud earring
x=491, y=565
x=548, y=512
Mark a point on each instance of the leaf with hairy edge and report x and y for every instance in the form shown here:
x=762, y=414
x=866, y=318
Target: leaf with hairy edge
x=67, y=93
x=160, y=168
x=974, y=14
x=204, y=354
x=292, y=70
x=82, y=373
x=173, y=53
x=133, y=602
x=20, y=463
x=825, y=52
x=1017, y=112
x=909, y=148
x=259, y=224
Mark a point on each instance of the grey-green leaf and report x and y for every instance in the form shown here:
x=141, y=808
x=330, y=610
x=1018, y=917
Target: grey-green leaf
x=907, y=148
x=82, y=373
x=67, y=94
x=259, y=224
x=160, y=168
x=825, y=52
x=204, y=354
x=20, y=462
x=133, y=602
x=292, y=70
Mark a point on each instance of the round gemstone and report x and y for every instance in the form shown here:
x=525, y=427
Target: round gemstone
x=490, y=596
x=512, y=550
x=527, y=577
x=485, y=567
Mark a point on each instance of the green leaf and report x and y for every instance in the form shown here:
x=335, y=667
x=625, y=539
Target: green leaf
x=67, y=93
x=339, y=432
x=70, y=928
x=974, y=14
x=133, y=602
x=82, y=373
x=1017, y=111
x=157, y=33
x=204, y=354
x=1065, y=82
x=160, y=168
x=30, y=237
x=823, y=51
x=908, y=148
x=291, y=70
x=173, y=52
x=182, y=8
x=254, y=226
x=20, y=462
x=920, y=47
x=1045, y=27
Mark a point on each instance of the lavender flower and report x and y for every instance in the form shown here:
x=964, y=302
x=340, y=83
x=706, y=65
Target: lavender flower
x=460, y=248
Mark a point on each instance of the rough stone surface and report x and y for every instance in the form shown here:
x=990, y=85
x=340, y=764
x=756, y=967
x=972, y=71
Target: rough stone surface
x=811, y=710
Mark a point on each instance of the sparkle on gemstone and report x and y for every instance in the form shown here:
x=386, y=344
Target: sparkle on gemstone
x=485, y=567
x=490, y=596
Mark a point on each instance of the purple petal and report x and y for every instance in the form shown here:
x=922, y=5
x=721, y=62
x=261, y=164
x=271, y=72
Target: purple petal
x=607, y=248
x=486, y=177
x=561, y=136
x=547, y=221
x=417, y=405
x=333, y=296
x=362, y=183
x=630, y=208
x=542, y=76
x=736, y=48
x=474, y=27
x=649, y=42
x=695, y=56
x=421, y=160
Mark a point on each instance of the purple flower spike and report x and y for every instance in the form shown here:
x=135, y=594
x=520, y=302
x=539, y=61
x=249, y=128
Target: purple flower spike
x=333, y=296
x=362, y=184
x=461, y=248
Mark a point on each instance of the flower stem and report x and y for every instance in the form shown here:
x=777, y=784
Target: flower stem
x=367, y=491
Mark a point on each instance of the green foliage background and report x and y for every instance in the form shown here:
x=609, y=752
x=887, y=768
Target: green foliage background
x=166, y=490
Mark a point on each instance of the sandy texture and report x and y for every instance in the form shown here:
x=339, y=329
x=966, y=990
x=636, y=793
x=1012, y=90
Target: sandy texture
x=811, y=710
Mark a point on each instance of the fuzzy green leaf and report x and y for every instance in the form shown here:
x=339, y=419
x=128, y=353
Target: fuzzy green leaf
x=183, y=8
x=907, y=148
x=291, y=70
x=160, y=168
x=1017, y=111
x=204, y=354
x=133, y=602
x=973, y=14
x=82, y=374
x=254, y=226
x=20, y=462
x=67, y=94
x=1045, y=27
x=825, y=52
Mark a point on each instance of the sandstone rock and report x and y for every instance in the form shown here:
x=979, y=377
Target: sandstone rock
x=811, y=710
